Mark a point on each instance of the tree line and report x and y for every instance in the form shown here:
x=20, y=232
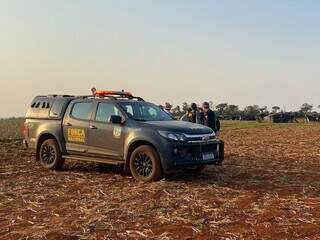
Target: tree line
x=251, y=112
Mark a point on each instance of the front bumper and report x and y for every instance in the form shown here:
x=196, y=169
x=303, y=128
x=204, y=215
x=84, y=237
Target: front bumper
x=180, y=155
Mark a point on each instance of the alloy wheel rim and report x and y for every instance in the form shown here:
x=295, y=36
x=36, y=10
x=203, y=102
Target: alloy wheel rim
x=143, y=164
x=48, y=154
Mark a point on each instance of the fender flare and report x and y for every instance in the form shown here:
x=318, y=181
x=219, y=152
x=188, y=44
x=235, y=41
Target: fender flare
x=59, y=141
x=133, y=144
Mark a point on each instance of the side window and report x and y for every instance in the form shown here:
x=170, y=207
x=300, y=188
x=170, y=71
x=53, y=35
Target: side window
x=105, y=111
x=152, y=112
x=57, y=107
x=128, y=109
x=82, y=110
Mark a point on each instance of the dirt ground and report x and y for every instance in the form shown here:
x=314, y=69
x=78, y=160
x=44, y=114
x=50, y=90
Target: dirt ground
x=267, y=188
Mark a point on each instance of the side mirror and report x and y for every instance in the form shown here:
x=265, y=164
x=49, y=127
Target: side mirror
x=115, y=119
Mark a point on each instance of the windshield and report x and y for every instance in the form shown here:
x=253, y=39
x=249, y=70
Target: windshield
x=142, y=111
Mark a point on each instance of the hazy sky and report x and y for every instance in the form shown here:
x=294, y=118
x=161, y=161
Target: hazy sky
x=241, y=52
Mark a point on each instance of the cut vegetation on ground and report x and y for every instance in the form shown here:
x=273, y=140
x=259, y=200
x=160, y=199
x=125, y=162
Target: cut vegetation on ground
x=267, y=188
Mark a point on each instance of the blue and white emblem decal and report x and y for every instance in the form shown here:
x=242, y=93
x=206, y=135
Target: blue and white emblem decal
x=117, y=132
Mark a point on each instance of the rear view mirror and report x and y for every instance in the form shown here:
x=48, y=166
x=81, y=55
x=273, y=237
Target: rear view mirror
x=115, y=119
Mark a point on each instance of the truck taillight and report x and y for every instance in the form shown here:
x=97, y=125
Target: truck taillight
x=25, y=130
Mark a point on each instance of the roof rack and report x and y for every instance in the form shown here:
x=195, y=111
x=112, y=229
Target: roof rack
x=114, y=95
x=57, y=95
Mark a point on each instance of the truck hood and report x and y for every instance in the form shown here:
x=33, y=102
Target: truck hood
x=178, y=126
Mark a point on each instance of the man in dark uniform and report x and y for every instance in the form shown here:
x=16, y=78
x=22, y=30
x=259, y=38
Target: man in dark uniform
x=195, y=116
x=209, y=118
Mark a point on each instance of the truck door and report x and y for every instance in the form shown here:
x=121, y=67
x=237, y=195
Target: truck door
x=105, y=138
x=76, y=125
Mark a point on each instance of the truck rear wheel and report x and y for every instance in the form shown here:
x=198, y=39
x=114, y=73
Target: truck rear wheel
x=50, y=155
x=145, y=164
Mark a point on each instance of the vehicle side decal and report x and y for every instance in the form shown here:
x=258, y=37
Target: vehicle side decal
x=76, y=135
x=117, y=132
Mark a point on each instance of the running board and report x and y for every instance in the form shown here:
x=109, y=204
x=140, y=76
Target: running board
x=93, y=159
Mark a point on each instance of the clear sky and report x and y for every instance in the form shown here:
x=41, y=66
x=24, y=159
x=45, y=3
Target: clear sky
x=240, y=52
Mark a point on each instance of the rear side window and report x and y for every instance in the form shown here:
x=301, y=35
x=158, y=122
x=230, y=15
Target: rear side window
x=57, y=108
x=82, y=110
x=105, y=111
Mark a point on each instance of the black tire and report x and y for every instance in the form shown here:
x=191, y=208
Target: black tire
x=195, y=169
x=145, y=164
x=50, y=155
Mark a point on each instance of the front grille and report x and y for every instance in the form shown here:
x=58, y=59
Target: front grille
x=194, y=153
x=200, y=137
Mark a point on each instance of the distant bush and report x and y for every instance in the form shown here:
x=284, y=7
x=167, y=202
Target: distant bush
x=10, y=128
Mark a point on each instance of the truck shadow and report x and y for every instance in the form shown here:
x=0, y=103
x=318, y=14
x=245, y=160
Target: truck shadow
x=92, y=168
x=229, y=175
x=254, y=179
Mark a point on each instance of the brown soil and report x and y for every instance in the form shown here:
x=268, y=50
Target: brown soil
x=267, y=188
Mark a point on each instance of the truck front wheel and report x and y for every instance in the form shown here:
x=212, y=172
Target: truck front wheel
x=145, y=164
x=50, y=155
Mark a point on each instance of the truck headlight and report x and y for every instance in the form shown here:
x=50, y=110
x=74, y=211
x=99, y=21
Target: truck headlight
x=178, y=137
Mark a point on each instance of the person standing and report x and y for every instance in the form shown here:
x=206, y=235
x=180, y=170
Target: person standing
x=167, y=108
x=209, y=118
x=187, y=116
x=195, y=114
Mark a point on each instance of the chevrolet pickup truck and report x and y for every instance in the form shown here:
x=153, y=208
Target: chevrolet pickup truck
x=117, y=128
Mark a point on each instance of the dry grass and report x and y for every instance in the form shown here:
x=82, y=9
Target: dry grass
x=267, y=188
x=10, y=128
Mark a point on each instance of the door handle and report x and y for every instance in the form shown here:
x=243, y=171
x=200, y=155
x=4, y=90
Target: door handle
x=68, y=124
x=92, y=127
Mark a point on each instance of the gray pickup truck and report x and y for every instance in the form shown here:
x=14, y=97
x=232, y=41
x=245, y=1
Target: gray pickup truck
x=117, y=128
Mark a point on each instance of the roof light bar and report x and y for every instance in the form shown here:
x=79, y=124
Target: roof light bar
x=102, y=93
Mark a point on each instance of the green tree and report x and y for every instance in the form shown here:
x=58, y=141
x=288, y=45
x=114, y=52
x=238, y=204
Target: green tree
x=306, y=108
x=211, y=104
x=231, y=110
x=264, y=111
x=252, y=112
x=275, y=109
x=221, y=108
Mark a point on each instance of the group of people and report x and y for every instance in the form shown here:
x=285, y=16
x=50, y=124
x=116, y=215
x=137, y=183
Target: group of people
x=203, y=115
